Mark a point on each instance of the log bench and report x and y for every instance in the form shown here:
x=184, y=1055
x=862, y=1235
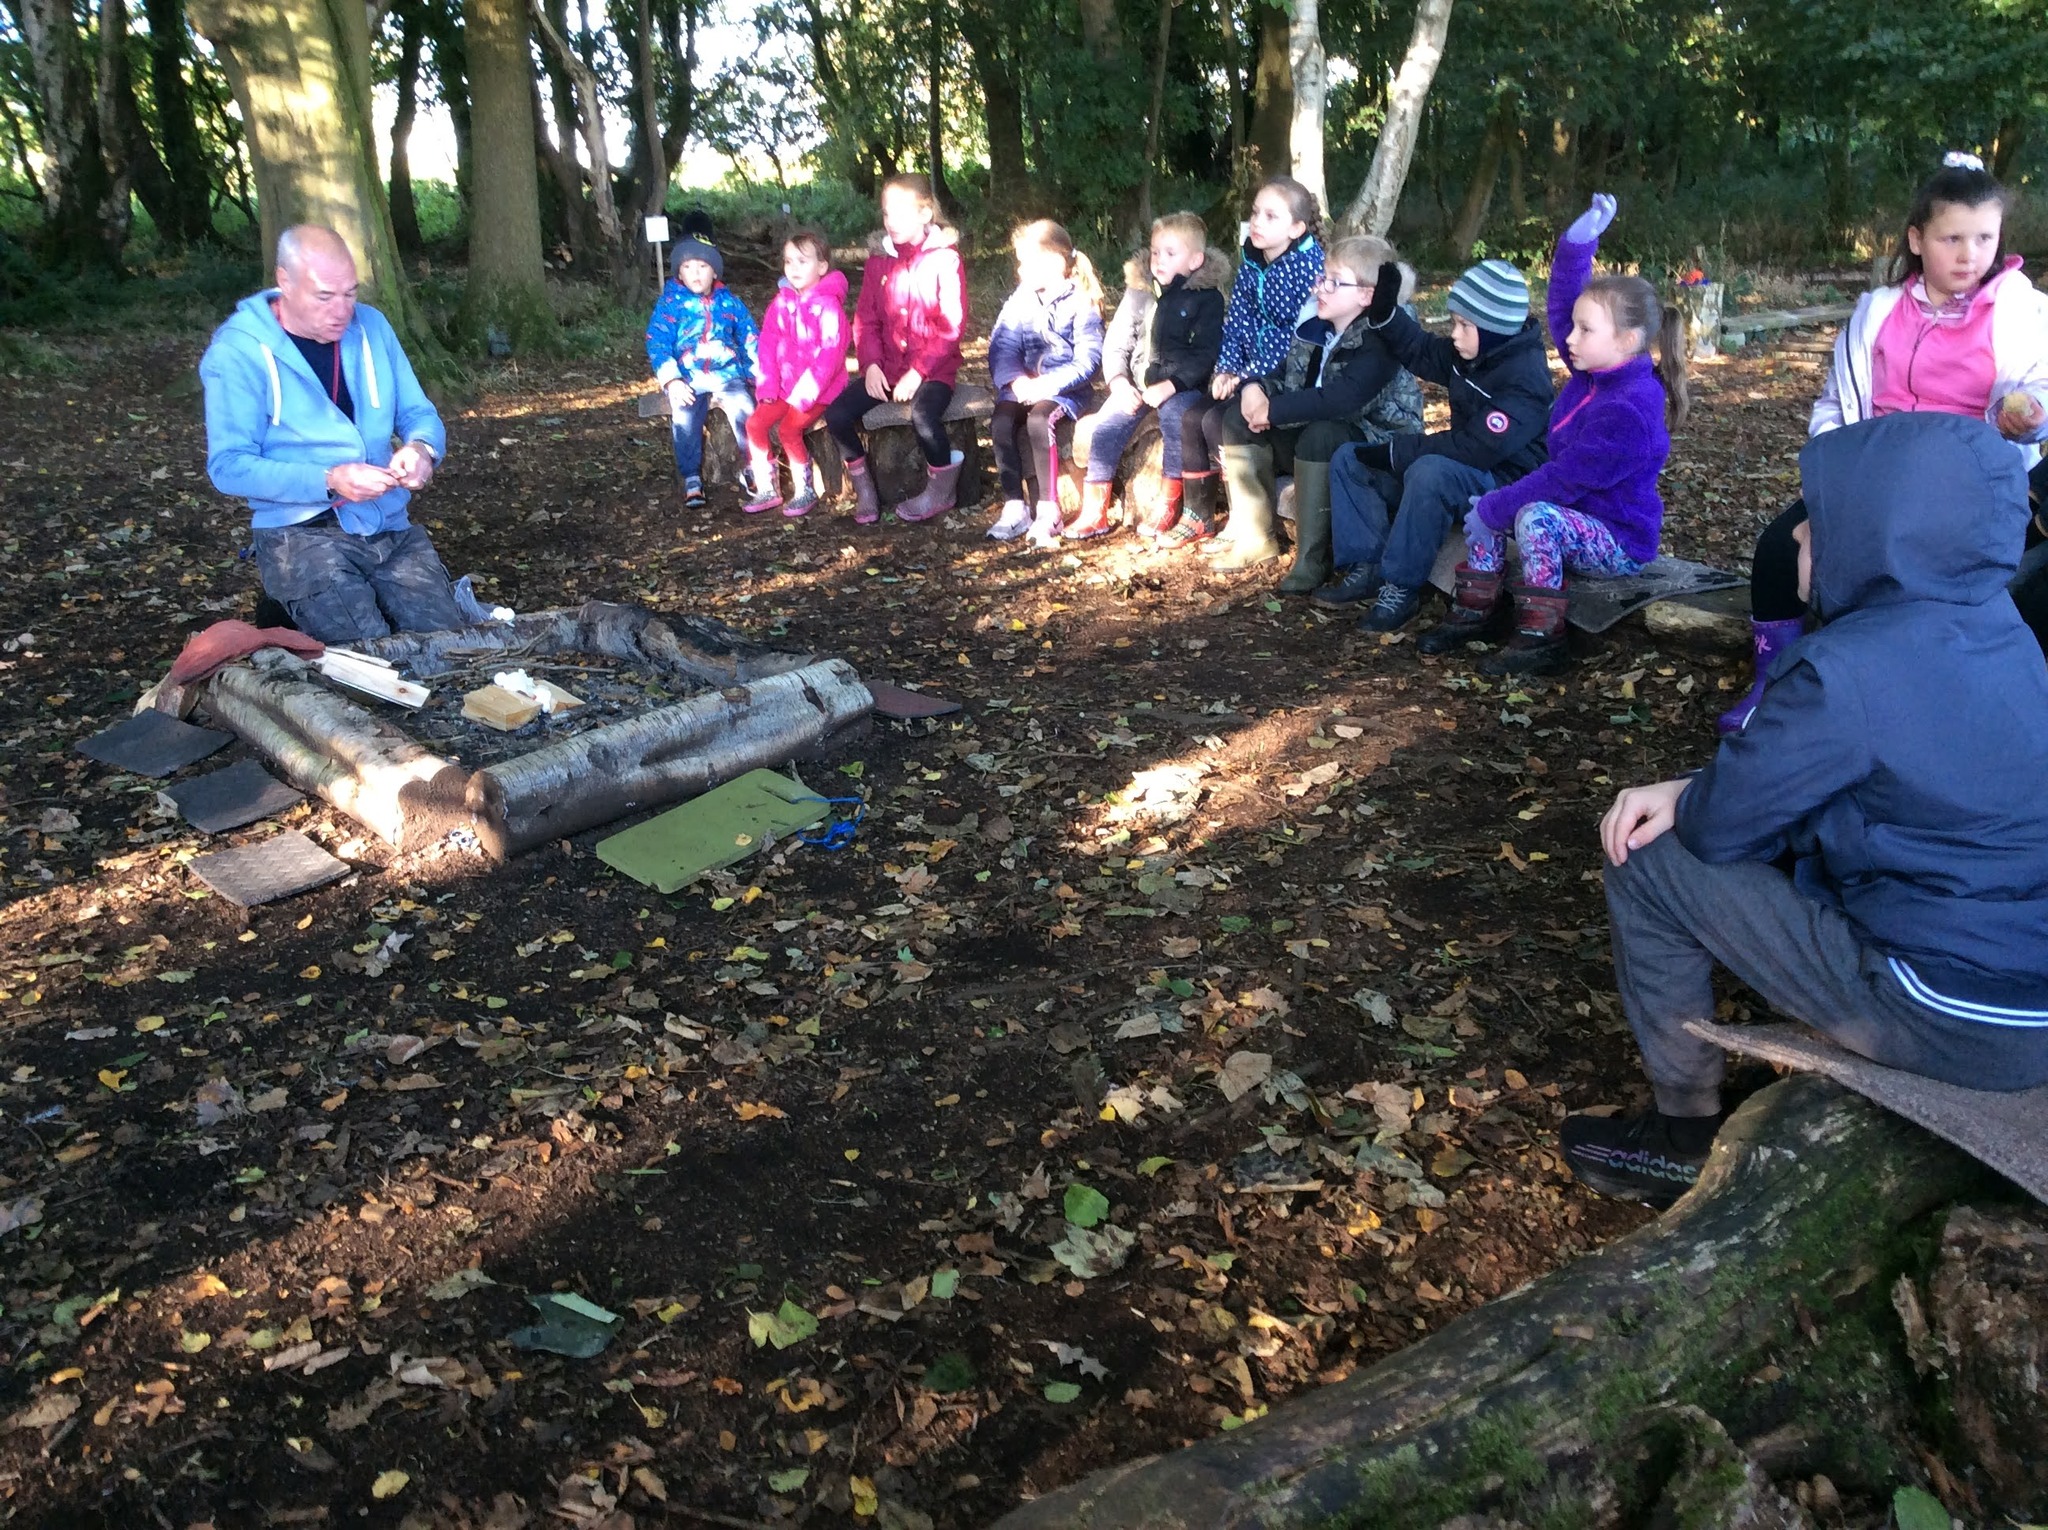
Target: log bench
x=893, y=455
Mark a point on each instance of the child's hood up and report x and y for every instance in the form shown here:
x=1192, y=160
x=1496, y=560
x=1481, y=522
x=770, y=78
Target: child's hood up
x=1912, y=507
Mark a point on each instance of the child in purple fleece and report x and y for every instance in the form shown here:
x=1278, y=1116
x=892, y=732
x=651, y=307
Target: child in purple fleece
x=1593, y=508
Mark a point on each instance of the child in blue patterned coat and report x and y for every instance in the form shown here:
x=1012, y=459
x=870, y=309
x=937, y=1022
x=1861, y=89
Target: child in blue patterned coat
x=702, y=343
x=1274, y=294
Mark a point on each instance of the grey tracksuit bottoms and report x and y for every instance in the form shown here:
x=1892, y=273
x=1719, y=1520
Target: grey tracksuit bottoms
x=1675, y=916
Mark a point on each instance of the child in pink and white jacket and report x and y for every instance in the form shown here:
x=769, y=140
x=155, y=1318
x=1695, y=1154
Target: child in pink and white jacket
x=804, y=340
x=1962, y=332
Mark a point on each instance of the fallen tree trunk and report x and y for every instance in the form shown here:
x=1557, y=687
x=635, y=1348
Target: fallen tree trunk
x=1757, y=1306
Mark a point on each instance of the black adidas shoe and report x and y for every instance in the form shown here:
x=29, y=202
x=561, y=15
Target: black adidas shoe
x=1652, y=1158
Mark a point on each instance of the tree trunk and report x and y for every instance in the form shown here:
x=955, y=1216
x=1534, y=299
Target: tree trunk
x=1233, y=77
x=507, y=288
x=590, y=120
x=405, y=212
x=1560, y=1402
x=645, y=182
x=300, y=70
x=76, y=185
x=1152, y=116
x=451, y=78
x=1372, y=210
x=1002, y=108
x=117, y=214
x=934, y=107
x=1272, y=138
x=1311, y=88
x=184, y=155
x=2005, y=148
x=1471, y=222
x=1099, y=29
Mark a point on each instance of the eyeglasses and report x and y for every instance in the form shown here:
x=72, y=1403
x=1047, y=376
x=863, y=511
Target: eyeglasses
x=1331, y=284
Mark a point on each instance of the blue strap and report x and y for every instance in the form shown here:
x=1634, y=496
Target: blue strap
x=840, y=828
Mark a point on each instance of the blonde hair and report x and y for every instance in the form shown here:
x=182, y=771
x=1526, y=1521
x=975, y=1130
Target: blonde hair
x=1363, y=255
x=1044, y=234
x=1188, y=225
x=919, y=186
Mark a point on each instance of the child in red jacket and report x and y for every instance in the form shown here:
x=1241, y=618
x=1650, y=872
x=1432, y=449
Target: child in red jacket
x=803, y=345
x=906, y=336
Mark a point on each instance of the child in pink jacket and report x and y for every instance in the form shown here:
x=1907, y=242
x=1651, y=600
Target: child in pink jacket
x=907, y=329
x=804, y=339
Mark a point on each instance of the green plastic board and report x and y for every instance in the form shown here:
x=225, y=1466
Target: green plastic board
x=726, y=824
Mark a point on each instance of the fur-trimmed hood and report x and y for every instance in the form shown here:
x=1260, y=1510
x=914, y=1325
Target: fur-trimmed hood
x=1215, y=274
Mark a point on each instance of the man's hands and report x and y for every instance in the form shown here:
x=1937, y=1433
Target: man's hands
x=413, y=465
x=1255, y=406
x=1639, y=815
x=358, y=481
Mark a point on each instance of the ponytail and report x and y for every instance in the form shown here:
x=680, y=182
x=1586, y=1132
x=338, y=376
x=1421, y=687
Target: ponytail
x=1671, y=368
x=1632, y=303
x=1083, y=271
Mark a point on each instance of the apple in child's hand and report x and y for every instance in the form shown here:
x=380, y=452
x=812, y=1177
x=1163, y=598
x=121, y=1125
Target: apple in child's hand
x=2018, y=412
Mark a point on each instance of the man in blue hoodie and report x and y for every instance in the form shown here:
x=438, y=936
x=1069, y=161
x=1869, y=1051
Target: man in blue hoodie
x=1899, y=759
x=313, y=416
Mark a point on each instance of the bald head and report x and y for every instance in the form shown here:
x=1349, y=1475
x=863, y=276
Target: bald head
x=316, y=282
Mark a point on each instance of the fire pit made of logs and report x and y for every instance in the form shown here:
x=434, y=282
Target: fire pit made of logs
x=682, y=703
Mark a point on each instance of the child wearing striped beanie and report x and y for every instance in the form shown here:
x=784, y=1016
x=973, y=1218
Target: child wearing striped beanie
x=1493, y=297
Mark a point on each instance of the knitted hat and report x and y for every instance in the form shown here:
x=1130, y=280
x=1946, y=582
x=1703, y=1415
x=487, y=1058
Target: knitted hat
x=699, y=249
x=1493, y=295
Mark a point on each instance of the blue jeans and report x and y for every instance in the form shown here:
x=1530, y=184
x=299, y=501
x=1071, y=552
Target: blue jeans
x=1399, y=522
x=1180, y=436
x=686, y=427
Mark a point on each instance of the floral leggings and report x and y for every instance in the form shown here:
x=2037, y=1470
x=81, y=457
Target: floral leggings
x=1555, y=541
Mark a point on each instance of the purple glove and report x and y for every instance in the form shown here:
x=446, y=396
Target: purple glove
x=1476, y=530
x=1592, y=223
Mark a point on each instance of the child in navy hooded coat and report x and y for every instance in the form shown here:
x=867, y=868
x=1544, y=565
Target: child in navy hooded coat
x=1897, y=756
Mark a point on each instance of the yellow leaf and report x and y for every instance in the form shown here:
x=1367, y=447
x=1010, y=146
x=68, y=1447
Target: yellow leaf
x=389, y=1484
x=305, y=923
x=865, y=1499
x=946, y=1099
x=69, y=1373
x=206, y=1286
x=671, y=1312
x=727, y=1440
x=112, y=1077
x=310, y=973
x=650, y=1484
x=749, y=1110
x=150, y=1023
x=655, y=1417
x=852, y=1155
x=192, y=1343
x=335, y=1101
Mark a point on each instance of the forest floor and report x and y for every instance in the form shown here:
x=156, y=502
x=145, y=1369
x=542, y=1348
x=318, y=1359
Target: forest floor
x=1324, y=917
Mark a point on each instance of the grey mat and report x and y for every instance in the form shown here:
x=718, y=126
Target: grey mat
x=1597, y=604
x=151, y=743
x=2009, y=1132
x=227, y=799
x=274, y=868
